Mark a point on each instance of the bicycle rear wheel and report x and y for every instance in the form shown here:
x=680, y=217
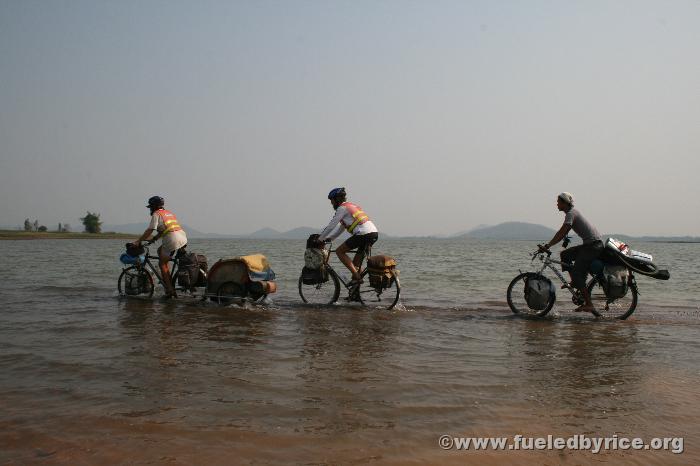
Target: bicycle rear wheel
x=516, y=297
x=380, y=296
x=135, y=281
x=619, y=308
x=321, y=293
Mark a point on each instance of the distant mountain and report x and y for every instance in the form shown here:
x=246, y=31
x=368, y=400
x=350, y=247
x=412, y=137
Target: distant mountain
x=511, y=231
x=138, y=228
x=296, y=233
x=264, y=233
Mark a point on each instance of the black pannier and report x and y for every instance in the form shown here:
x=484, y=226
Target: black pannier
x=314, y=242
x=314, y=276
x=135, y=251
x=192, y=270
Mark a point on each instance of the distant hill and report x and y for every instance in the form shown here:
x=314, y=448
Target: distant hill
x=263, y=233
x=511, y=231
x=503, y=231
x=138, y=228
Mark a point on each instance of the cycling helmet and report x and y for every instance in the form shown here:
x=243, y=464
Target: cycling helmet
x=567, y=197
x=156, y=201
x=336, y=192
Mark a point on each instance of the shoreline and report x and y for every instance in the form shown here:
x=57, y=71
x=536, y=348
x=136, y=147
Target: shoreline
x=11, y=235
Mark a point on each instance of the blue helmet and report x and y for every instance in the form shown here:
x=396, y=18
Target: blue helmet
x=336, y=192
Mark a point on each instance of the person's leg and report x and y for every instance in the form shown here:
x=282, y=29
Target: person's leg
x=568, y=256
x=364, y=243
x=342, y=253
x=163, y=259
x=582, y=265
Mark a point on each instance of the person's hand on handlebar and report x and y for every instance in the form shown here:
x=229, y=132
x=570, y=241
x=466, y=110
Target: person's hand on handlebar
x=542, y=248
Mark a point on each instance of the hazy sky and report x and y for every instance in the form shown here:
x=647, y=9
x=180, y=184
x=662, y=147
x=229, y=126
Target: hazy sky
x=436, y=115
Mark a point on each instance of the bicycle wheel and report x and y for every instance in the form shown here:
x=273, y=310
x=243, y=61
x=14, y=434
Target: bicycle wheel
x=619, y=308
x=516, y=297
x=384, y=297
x=229, y=292
x=135, y=281
x=321, y=293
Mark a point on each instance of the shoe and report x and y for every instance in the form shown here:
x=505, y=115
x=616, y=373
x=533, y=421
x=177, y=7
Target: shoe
x=354, y=283
x=170, y=295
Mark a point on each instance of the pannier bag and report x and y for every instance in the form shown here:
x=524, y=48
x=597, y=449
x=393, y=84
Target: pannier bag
x=192, y=270
x=133, y=254
x=126, y=259
x=380, y=270
x=314, y=258
x=314, y=242
x=538, y=292
x=315, y=255
x=134, y=250
x=615, y=279
x=314, y=276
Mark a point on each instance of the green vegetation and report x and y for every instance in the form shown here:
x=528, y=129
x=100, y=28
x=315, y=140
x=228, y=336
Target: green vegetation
x=92, y=223
x=19, y=234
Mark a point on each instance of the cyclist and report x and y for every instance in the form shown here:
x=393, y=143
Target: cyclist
x=351, y=217
x=166, y=226
x=581, y=255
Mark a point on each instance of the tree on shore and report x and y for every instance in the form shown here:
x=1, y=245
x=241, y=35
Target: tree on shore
x=92, y=222
x=28, y=225
x=42, y=229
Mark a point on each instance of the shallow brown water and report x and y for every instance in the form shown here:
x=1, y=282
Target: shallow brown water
x=90, y=378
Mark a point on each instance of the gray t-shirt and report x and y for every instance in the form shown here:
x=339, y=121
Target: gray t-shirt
x=581, y=226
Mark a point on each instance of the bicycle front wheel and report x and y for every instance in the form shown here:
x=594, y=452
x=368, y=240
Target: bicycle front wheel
x=618, y=308
x=384, y=296
x=321, y=293
x=135, y=281
x=516, y=297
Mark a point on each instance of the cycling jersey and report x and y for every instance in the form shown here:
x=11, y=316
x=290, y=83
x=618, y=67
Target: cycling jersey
x=351, y=217
x=166, y=224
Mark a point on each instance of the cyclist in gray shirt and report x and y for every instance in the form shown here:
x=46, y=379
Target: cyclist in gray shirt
x=581, y=255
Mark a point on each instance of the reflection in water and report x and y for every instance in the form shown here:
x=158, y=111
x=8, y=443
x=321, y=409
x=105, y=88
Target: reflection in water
x=340, y=353
x=580, y=372
x=292, y=384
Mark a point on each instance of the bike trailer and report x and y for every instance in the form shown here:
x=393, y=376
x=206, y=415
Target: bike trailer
x=381, y=270
x=249, y=274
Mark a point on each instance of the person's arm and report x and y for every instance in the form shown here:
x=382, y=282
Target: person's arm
x=147, y=234
x=558, y=236
x=333, y=225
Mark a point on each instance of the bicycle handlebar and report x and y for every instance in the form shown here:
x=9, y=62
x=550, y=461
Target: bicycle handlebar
x=540, y=251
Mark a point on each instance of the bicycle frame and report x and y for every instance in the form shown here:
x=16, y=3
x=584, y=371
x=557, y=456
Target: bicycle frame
x=147, y=264
x=367, y=253
x=548, y=264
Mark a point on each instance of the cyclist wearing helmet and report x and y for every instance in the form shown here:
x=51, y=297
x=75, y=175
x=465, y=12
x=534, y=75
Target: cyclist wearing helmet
x=583, y=255
x=351, y=217
x=166, y=226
